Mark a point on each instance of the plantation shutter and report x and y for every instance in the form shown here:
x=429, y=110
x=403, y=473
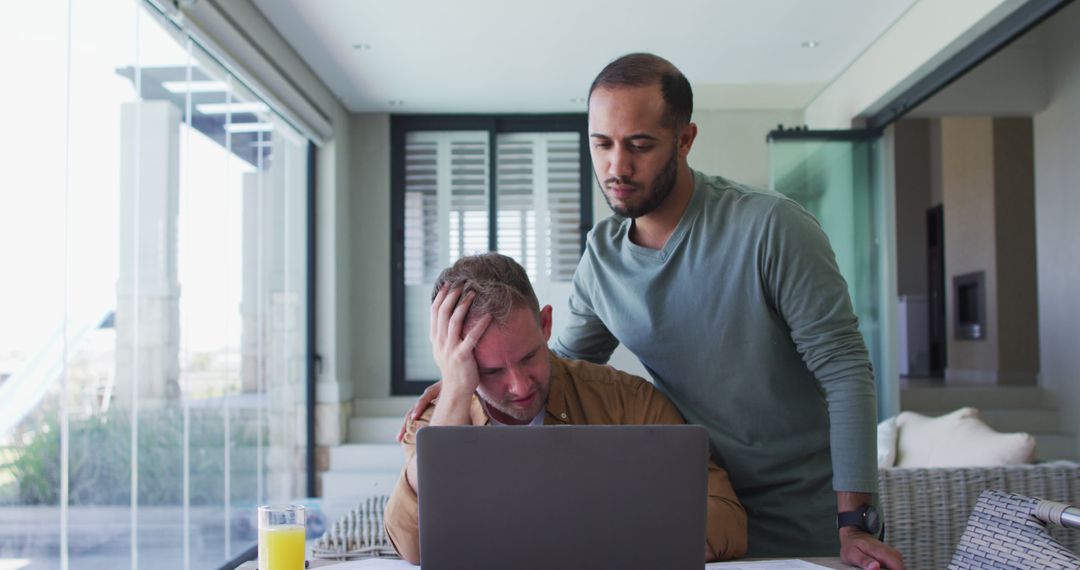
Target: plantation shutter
x=538, y=195
x=538, y=189
x=446, y=186
x=564, y=206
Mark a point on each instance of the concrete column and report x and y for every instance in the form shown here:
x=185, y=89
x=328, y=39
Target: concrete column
x=148, y=291
x=988, y=197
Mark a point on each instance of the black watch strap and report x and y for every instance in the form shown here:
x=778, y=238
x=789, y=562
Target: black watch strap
x=864, y=518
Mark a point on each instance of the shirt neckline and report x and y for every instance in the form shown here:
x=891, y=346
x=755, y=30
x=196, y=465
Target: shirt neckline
x=687, y=220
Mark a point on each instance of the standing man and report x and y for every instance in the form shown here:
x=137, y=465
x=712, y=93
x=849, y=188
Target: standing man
x=732, y=299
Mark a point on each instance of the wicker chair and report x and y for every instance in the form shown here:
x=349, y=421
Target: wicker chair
x=359, y=534
x=1009, y=531
x=927, y=510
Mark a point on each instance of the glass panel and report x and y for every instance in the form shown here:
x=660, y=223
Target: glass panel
x=840, y=184
x=60, y=186
x=161, y=269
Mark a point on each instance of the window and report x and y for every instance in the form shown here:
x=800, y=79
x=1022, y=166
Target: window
x=153, y=343
x=465, y=185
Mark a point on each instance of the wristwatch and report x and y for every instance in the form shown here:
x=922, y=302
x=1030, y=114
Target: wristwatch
x=864, y=518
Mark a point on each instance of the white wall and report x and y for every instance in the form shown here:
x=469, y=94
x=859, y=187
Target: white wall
x=368, y=222
x=732, y=143
x=1057, y=208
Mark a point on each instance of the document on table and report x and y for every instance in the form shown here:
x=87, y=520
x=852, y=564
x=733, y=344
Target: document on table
x=765, y=565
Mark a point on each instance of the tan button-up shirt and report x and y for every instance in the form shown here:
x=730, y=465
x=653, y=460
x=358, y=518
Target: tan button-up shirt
x=582, y=393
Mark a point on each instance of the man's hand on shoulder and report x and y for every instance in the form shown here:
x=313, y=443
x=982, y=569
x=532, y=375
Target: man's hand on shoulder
x=418, y=408
x=863, y=550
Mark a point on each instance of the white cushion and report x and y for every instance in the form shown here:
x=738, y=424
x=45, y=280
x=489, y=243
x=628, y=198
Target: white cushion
x=957, y=439
x=886, y=443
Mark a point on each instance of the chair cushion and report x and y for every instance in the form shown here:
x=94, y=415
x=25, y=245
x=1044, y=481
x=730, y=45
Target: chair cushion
x=886, y=443
x=958, y=439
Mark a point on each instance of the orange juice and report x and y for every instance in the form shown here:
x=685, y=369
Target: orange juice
x=282, y=547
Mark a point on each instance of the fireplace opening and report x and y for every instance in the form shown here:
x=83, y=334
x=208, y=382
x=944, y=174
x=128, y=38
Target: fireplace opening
x=970, y=299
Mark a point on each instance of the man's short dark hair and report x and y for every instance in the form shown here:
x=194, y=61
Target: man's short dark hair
x=644, y=69
x=500, y=283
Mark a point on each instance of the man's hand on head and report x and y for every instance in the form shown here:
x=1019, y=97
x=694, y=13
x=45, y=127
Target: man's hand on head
x=452, y=347
x=453, y=352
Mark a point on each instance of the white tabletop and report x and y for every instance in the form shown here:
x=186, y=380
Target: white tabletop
x=394, y=564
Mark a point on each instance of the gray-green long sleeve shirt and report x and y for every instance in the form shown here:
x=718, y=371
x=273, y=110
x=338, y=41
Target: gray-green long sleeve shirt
x=745, y=323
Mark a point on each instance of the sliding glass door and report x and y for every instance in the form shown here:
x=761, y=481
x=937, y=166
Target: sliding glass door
x=153, y=218
x=837, y=176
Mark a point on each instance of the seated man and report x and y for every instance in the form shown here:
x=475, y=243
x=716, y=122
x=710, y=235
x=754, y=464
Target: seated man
x=489, y=338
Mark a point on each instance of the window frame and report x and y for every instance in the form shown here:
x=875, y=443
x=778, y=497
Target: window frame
x=495, y=125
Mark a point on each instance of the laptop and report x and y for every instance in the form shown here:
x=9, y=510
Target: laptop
x=567, y=497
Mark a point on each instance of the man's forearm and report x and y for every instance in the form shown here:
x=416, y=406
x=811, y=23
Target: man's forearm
x=452, y=409
x=848, y=501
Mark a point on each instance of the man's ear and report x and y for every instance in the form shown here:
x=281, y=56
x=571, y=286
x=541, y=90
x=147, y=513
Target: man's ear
x=686, y=139
x=545, y=322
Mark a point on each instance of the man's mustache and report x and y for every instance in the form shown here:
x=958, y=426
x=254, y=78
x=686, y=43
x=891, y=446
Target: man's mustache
x=620, y=180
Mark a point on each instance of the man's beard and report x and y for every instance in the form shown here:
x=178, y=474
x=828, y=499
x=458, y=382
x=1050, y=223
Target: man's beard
x=662, y=186
x=518, y=413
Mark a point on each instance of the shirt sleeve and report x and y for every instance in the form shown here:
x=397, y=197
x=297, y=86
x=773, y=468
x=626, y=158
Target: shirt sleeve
x=804, y=283
x=725, y=527
x=401, y=518
x=585, y=336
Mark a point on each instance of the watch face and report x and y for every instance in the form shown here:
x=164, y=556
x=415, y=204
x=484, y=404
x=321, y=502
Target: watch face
x=873, y=521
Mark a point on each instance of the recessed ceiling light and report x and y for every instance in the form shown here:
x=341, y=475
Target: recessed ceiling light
x=811, y=44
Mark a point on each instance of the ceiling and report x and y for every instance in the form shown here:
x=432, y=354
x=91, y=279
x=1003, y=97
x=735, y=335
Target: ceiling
x=507, y=56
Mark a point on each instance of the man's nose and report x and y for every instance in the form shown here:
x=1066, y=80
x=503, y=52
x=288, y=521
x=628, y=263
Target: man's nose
x=518, y=382
x=620, y=165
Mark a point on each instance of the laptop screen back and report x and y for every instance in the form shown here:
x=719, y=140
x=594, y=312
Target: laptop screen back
x=568, y=497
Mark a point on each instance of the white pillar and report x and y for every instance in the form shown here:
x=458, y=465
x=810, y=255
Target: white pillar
x=148, y=291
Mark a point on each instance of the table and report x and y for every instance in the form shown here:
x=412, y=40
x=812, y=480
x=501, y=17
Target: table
x=392, y=564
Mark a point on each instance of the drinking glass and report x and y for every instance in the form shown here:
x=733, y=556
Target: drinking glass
x=281, y=537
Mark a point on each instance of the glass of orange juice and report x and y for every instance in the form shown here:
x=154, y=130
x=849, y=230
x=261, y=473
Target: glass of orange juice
x=281, y=537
